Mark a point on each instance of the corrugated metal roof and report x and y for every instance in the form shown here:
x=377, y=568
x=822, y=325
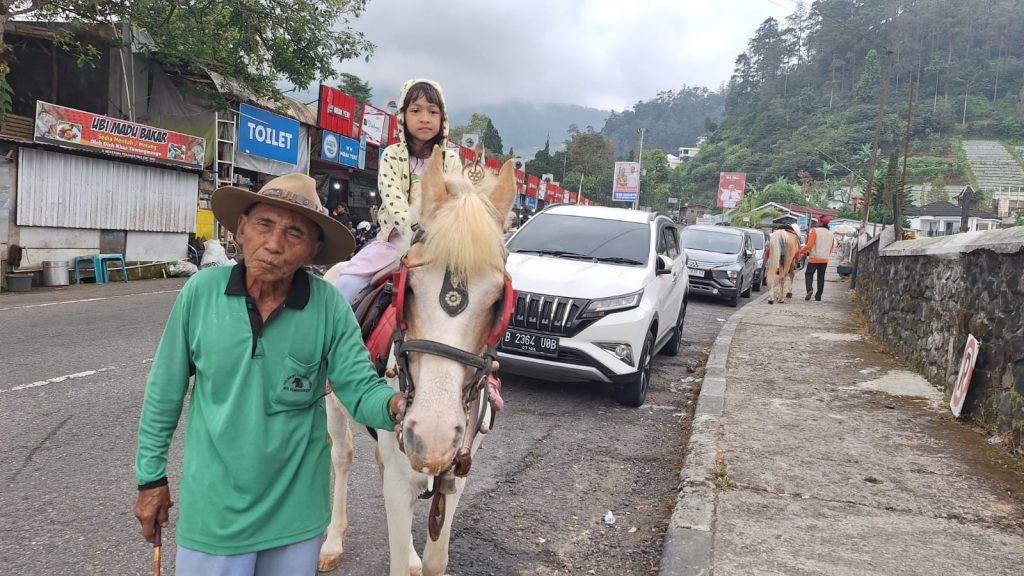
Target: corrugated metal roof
x=69, y=191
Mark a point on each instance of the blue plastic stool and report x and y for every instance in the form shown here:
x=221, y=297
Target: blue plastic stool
x=105, y=258
x=97, y=270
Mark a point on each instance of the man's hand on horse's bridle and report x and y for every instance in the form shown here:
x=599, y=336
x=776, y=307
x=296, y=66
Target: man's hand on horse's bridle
x=152, y=506
x=396, y=407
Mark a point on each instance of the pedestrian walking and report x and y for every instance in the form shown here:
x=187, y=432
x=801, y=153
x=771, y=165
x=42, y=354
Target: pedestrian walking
x=260, y=339
x=423, y=124
x=818, y=248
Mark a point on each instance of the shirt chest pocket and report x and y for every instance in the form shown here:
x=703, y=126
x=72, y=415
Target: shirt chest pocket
x=299, y=385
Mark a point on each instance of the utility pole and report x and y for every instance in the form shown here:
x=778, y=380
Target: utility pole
x=640, y=161
x=897, y=217
x=878, y=134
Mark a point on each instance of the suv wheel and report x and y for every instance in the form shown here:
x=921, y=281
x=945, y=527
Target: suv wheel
x=672, y=346
x=758, y=282
x=634, y=392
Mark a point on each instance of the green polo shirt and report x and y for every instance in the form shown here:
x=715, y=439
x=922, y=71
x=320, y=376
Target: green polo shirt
x=256, y=471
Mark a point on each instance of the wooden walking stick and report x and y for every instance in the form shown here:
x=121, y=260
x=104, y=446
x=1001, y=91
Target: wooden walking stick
x=156, y=551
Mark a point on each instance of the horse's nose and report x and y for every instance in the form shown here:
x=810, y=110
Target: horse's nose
x=431, y=447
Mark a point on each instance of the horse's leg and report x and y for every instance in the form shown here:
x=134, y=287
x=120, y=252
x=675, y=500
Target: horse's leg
x=435, y=554
x=399, y=495
x=341, y=463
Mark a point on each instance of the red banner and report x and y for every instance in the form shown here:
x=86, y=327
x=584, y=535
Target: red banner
x=730, y=189
x=532, y=183
x=337, y=111
x=494, y=165
x=80, y=129
x=467, y=155
x=393, y=128
x=519, y=181
x=572, y=197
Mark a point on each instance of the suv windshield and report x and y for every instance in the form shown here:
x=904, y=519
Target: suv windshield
x=584, y=238
x=710, y=241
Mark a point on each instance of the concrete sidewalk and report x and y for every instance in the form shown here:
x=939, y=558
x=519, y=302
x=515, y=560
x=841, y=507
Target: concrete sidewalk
x=813, y=452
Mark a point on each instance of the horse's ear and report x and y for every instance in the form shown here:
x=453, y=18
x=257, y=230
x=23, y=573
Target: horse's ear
x=503, y=193
x=433, y=192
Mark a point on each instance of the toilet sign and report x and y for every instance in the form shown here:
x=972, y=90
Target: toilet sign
x=963, y=379
x=267, y=135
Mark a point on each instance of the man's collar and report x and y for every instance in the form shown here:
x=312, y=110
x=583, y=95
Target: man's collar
x=298, y=294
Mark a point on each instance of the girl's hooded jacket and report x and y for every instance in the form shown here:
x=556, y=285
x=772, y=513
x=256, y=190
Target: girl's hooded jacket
x=395, y=176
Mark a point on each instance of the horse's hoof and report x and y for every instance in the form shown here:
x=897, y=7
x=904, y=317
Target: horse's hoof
x=415, y=572
x=328, y=562
x=771, y=302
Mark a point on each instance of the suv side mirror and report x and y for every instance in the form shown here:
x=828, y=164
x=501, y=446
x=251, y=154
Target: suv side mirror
x=663, y=265
x=748, y=254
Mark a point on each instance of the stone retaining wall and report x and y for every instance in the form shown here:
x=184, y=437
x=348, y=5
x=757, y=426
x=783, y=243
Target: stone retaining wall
x=923, y=297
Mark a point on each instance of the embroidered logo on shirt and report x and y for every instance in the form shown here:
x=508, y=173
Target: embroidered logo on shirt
x=297, y=383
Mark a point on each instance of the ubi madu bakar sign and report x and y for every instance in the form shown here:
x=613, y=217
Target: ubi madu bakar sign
x=80, y=129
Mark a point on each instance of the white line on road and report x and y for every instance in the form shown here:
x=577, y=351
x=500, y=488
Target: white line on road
x=59, y=379
x=46, y=304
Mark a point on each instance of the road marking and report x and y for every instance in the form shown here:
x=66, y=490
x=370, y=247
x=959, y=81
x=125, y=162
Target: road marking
x=47, y=304
x=59, y=379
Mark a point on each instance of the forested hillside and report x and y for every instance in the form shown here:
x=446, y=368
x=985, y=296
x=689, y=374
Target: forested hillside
x=803, y=98
x=672, y=119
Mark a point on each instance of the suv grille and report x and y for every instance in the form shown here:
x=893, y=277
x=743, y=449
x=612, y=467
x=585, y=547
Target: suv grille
x=703, y=265
x=555, y=315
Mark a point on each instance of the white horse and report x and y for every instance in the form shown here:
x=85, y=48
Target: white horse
x=783, y=245
x=452, y=299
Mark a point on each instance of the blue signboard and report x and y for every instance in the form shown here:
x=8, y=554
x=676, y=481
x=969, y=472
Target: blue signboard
x=517, y=205
x=340, y=149
x=803, y=222
x=267, y=135
x=531, y=203
x=623, y=196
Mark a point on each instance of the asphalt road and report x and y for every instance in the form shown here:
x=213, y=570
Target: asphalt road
x=74, y=366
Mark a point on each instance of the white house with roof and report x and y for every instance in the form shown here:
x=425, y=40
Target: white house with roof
x=943, y=218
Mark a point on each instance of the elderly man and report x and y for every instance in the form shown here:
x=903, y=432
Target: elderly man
x=261, y=339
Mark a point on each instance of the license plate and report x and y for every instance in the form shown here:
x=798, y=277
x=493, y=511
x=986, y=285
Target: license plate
x=532, y=343
x=693, y=272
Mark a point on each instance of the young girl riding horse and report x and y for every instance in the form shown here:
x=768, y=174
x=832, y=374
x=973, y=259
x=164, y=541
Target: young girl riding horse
x=423, y=123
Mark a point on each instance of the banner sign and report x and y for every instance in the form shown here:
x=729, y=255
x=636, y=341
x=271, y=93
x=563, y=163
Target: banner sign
x=393, y=130
x=261, y=133
x=531, y=203
x=467, y=155
x=373, y=125
x=542, y=191
x=531, y=187
x=80, y=129
x=494, y=165
x=627, y=181
x=730, y=189
x=963, y=379
x=340, y=149
x=520, y=179
x=572, y=197
x=337, y=111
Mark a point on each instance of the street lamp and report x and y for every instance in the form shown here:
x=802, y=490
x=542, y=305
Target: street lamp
x=640, y=161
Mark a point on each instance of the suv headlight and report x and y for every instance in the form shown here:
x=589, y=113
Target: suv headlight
x=603, y=307
x=730, y=274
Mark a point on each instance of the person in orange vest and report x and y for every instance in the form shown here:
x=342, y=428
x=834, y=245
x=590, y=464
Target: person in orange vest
x=818, y=248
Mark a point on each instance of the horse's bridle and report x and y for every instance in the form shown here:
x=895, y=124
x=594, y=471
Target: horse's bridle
x=454, y=299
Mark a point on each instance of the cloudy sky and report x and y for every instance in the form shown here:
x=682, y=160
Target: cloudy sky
x=606, y=54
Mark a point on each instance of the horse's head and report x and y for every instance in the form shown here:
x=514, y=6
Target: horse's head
x=451, y=306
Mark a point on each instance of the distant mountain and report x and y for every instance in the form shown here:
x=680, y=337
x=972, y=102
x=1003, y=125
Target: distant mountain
x=525, y=126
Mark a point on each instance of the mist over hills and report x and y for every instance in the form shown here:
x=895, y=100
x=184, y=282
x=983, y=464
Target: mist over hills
x=524, y=126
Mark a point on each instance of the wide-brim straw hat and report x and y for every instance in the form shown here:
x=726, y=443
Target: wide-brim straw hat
x=295, y=192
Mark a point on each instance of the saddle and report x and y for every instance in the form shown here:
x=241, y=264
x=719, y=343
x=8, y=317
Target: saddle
x=376, y=316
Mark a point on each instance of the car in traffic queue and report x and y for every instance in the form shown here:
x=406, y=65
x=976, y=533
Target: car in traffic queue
x=600, y=291
x=720, y=261
x=759, y=240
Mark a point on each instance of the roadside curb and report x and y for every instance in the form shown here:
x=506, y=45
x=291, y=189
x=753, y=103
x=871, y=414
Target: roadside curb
x=690, y=535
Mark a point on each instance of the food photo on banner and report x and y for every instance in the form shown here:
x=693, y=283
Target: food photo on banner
x=79, y=129
x=627, y=181
x=730, y=189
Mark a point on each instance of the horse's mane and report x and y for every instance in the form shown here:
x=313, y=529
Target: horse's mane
x=464, y=232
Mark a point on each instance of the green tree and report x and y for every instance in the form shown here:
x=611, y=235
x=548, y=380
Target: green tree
x=483, y=127
x=355, y=87
x=780, y=192
x=256, y=44
x=870, y=80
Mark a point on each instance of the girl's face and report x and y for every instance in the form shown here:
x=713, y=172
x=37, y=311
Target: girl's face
x=423, y=121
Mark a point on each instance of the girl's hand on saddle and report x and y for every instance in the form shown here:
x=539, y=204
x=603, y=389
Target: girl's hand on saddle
x=152, y=506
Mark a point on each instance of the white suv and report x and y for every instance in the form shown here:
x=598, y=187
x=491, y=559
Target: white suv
x=600, y=292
